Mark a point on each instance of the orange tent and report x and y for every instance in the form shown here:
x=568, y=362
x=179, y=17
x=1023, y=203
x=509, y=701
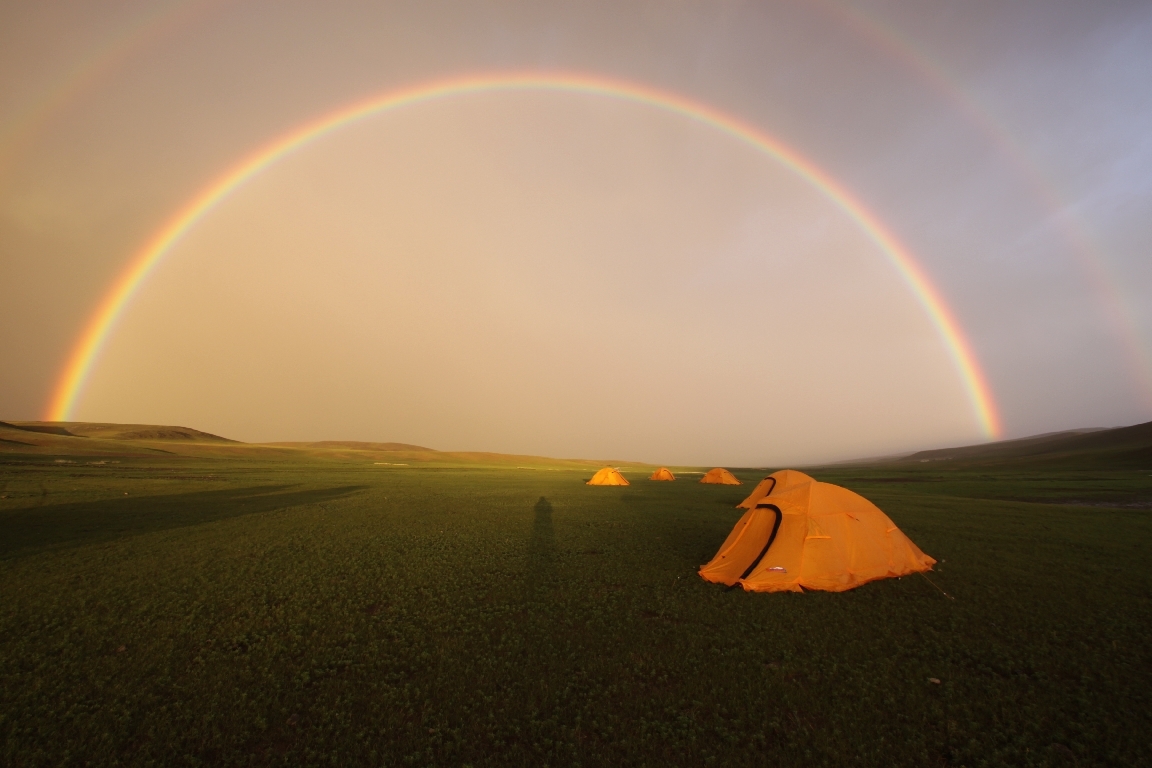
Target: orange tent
x=778, y=482
x=663, y=474
x=719, y=476
x=802, y=534
x=608, y=476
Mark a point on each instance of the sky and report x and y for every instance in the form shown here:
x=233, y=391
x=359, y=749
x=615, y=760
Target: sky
x=580, y=272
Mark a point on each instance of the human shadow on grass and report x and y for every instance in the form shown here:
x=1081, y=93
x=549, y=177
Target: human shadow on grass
x=79, y=523
x=541, y=551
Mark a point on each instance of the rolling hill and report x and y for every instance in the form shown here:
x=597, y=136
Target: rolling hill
x=81, y=439
x=116, y=431
x=1117, y=448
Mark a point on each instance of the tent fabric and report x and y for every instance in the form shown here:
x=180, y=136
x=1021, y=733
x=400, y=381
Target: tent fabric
x=719, y=476
x=778, y=482
x=608, y=476
x=804, y=534
x=662, y=474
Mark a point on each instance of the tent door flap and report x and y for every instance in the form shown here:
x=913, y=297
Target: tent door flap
x=771, y=538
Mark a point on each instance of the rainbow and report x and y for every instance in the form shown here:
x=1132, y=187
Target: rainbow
x=102, y=322
x=1117, y=310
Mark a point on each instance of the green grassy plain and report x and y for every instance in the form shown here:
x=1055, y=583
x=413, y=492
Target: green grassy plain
x=176, y=610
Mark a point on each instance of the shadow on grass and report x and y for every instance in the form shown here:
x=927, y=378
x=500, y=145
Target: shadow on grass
x=541, y=552
x=79, y=523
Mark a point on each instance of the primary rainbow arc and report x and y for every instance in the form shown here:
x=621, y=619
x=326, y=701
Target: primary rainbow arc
x=87, y=349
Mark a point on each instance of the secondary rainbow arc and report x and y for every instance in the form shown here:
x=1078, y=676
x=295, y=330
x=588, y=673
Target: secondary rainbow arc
x=1102, y=282
x=103, y=321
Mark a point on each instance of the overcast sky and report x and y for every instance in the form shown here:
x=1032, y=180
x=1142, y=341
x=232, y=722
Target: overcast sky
x=574, y=275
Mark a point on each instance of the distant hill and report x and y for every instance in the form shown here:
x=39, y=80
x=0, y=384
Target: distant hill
x=357, y=446
x=116, y=431
x=1120, y=448
x=73, y=438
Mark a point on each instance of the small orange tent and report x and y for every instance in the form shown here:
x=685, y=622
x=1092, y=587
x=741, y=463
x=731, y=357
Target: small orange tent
x=719, y=476
x=803, y=534
x=608, y=476
x=663, y=474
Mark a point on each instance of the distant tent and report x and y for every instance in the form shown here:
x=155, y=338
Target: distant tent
x=663, y=474
x=803, y=534
x=719, y=476
x=608, y=476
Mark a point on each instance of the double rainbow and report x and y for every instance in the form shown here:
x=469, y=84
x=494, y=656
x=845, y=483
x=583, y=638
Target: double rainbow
x=111, y=308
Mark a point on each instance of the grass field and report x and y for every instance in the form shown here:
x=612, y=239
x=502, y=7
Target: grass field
x=195, y=611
